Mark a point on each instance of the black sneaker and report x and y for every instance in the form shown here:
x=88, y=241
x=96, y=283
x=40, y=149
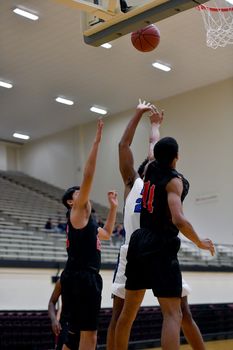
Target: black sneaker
x=126, y=9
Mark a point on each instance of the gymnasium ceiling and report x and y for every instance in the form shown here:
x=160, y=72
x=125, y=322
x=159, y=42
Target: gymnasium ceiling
x=47, y=58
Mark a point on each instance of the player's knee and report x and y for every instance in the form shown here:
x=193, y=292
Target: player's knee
x=126, y=319
x=89, y=337
x=174, y=314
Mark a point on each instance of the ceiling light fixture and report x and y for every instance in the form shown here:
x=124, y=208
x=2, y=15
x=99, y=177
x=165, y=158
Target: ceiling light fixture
x=26, y=14
x=106, y=46
x=5, y=85
x=230, y=1
x=161, y=66
x=65, y=101
x=21, y=136
x=98, y=110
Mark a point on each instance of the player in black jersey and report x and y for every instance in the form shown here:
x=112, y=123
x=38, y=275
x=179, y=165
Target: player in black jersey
x=81, y=282
x=59, y=324
x=152, y=254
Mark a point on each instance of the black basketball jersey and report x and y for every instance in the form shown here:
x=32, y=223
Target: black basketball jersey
x=65, y=313
x=155, y=213
x=83, y=247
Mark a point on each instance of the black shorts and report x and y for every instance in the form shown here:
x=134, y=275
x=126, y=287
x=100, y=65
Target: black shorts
x=153, y=266
x=82, y=292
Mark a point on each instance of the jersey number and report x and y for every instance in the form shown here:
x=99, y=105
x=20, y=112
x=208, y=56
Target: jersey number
x=138, y=205
x=148, y=196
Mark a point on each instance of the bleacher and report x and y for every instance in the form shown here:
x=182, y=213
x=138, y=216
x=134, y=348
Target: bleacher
x=26, y=204
x=47, y=191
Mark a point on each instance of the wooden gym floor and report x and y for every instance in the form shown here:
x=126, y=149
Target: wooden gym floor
x=210, y=345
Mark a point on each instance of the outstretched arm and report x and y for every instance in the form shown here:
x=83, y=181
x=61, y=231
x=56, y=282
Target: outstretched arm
x=156, y=119
x=174, y=190
x=126, y=161
x=106, y=231
x=89, y=170
x=56, y=327
x=81, y=208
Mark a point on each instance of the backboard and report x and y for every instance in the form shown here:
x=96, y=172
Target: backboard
x=103, y=21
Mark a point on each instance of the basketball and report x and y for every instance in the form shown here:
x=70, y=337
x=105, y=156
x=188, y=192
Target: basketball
x=146, y=39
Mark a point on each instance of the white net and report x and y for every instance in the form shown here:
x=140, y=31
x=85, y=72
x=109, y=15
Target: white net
x=218, y=20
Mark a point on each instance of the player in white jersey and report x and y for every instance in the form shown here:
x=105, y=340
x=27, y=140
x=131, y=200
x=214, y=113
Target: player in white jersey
x=131, y=223
x=133, y=196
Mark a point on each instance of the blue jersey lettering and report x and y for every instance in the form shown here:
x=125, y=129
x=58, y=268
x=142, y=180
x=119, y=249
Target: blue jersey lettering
x=138, y=205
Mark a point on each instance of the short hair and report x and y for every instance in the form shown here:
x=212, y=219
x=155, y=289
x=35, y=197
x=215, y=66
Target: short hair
x=69, y=195
x=166, y=150
x=141, y=168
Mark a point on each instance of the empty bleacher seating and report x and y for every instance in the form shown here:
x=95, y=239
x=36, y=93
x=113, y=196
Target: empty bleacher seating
x=25, y=206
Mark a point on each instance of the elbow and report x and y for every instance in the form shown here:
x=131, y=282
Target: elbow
x=104, y=234
x=105, y=238
x=179, y=222
x=107, y=235
x=122, y=144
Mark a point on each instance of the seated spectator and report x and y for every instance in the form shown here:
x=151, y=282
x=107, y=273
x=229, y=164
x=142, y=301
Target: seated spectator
x=122, y=234
x=61, y=226
x=49, y=224
x=94, y=215
x=118, y=235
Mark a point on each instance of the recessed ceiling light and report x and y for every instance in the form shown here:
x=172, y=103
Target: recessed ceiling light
x=161, y=66
x=98, y=110
x=65, y=101
x=21, y=136
x=106, y=46
x=26, y=14
x=5, y=85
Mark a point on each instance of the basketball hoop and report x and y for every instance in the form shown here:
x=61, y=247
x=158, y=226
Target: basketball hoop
x=218, y=23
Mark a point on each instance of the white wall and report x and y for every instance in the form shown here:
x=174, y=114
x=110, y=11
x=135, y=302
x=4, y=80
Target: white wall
x=202, y=122
x=3, y=156
x=54, y=159
x=9, y=156
x=30, y=289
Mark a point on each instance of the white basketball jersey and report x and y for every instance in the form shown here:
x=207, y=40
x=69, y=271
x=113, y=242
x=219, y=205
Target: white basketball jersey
x=132, y=209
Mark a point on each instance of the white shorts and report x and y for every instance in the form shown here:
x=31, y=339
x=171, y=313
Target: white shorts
x=185, y=288
x=118, y=286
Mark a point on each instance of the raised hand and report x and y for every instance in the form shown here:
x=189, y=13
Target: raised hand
x=100, y=125
x=156, y=116
x=112, y=198
x=144, y=106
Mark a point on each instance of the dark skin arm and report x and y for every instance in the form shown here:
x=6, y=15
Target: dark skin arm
x=56, y=327
x=126, y=160
x=174, y=190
